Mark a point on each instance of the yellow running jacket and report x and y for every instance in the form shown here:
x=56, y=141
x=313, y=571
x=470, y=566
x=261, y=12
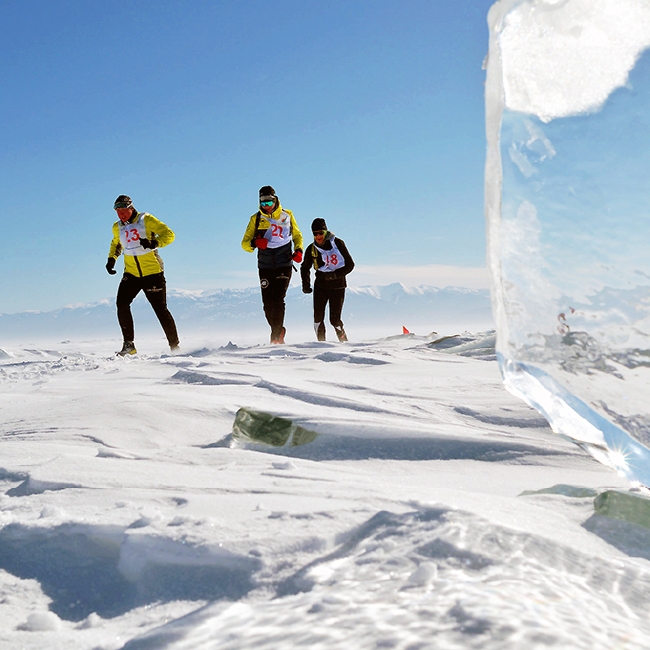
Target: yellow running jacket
x=260, y=227
x=140, y=261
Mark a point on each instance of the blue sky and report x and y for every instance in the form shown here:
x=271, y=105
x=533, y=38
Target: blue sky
x=368, y=113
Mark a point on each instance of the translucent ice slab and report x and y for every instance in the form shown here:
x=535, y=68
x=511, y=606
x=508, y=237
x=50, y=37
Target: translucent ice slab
x=568, y=212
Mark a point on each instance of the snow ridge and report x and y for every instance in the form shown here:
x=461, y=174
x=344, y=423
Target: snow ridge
x=131, y=516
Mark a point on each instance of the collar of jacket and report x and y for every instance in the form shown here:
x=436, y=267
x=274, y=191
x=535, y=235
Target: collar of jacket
x=328, y=237
x=326, y=245
x=275, y=214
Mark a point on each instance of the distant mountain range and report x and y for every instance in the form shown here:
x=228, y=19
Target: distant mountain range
x=387, y=308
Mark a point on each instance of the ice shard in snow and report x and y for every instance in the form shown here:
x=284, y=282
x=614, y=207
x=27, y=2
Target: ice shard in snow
x=568, y=214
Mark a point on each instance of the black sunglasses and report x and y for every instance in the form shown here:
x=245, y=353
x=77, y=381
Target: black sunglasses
x=319, y=232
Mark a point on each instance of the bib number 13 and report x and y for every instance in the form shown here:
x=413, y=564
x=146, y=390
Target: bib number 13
x=132, y=235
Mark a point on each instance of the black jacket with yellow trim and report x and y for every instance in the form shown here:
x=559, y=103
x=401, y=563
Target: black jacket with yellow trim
x=331, y=279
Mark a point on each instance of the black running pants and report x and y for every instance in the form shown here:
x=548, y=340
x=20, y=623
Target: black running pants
x=274, y=284
x=155, y=290
x=324, y=295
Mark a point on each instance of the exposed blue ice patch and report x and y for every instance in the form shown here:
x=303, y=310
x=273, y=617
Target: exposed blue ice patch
x=624, y=505
x=256, y=426
x=624, y=526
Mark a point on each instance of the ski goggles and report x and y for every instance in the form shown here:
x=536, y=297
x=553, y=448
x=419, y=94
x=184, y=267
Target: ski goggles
x=122, y=204
x=318, y=233
x=266, y=204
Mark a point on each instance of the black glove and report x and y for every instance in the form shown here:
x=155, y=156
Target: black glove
x=110, y=266
x=306, y=289
x=148, y=243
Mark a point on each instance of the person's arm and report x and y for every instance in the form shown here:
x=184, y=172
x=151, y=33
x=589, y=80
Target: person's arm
x=349, y=262
x=249, y=236
x=295, y=233
x=305, y=269
x=158, y=233
x=115, y=249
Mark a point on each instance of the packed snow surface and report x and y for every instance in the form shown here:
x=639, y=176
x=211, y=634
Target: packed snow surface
x=428, y=508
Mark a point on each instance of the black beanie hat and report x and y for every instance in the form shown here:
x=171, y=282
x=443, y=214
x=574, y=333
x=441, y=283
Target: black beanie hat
x=318, y=224
x=267, y=193
x=122, y=201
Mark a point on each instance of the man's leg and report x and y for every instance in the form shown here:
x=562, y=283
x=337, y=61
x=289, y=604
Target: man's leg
x=274, y=284
x=266, y=277
x=128, y=289
x=320, y=301
x=155, y=289
x=337, y=296
x=280, y=285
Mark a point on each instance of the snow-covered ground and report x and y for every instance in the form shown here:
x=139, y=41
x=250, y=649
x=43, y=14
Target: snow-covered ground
x=423, y=512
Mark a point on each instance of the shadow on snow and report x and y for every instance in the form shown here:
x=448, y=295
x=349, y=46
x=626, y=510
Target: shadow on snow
x=79, y=568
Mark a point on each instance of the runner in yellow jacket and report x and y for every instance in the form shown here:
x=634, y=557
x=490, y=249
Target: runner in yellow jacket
x=274, y=233
x=138, y=235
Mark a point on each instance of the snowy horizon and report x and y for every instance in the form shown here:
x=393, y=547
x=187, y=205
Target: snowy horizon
x=369, y=288
x=371, y=311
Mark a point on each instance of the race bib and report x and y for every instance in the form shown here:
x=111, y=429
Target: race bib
x=332, y=259
x=279, y=232
x=130, y=235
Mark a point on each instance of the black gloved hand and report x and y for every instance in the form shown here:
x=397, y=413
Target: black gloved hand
x=306, y=289
x=148, y=243
x=110, y=266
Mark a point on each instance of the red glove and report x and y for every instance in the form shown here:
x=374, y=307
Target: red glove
x=297, y=257
x=261, y=243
